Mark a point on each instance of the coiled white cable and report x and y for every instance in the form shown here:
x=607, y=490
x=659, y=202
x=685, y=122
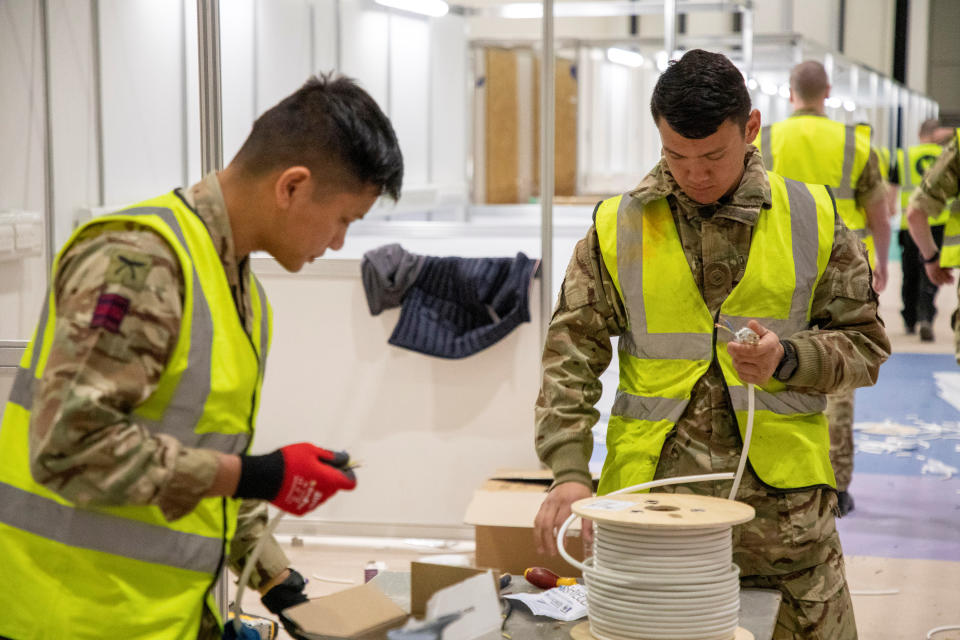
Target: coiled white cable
x=671, y=585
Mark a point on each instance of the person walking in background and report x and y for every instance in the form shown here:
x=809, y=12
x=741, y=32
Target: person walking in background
x=917, y=292
x=940, y=184
x=810, y=147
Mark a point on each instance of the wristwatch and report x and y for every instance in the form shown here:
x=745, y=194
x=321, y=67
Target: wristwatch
x=931, y=259
x=788, y=363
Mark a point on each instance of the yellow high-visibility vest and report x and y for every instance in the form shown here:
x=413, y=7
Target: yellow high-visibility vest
x=817, y=150
x=672, y=339
x=72, y=572
x=950, y=253
x=911, y=165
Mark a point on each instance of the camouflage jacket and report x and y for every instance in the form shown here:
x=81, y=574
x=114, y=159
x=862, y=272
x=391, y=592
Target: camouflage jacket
x=940, y=183
x=843, y=349
x=83, y=443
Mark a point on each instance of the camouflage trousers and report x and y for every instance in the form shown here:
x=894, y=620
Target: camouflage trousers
x=791, y=545
x=840, y=416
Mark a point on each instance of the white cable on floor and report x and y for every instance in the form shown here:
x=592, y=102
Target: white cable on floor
x=677, y=584
x=248, y=568
x=935, y=630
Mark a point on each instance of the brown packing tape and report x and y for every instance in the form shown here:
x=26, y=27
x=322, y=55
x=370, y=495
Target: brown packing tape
x=512, y=549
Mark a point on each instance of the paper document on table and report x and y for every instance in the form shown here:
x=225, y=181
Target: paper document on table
x=565, y=603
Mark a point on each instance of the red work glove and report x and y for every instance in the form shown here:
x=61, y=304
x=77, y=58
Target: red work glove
x=297, y=478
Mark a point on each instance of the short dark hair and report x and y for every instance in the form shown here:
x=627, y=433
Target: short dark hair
x=809, y=81
x=698, y=93
x=334, y=128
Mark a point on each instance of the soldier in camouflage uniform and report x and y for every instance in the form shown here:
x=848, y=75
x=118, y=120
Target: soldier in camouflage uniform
x=792, y=544
x=940, y=183
x=83, y=442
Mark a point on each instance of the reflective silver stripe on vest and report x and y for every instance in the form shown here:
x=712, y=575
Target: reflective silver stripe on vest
x=845, y=191
x=951, y=240
x=97, y=531
x=264, y=326
x=186, y=406
x=650, y=408
x=783, y=403
x=668, y=346
x=23, y=384
x=766, y=148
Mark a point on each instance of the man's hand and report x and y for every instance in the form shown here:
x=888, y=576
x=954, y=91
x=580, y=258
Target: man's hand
x=937, y=274
x=285, y=594
x=880, y=277
x=297, y=478
x=756, y=362
x=554, y=511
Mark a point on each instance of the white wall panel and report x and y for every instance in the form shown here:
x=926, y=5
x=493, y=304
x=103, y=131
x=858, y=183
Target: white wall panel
x=326, y=41
x=449, y=110
x=410, y=93
x=283, y=30
x=237, y=75
x=364, y=42
x=142, y=53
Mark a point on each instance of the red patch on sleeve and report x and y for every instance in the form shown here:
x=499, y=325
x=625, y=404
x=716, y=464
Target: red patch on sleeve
x=111, y=308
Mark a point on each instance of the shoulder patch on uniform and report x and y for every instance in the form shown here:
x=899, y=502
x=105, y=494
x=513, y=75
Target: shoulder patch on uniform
x=129, y=269
x=109, y=312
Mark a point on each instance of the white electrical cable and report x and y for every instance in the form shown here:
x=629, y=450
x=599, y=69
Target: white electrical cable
x=935, y=630
x=248, y=568
x=672, y=585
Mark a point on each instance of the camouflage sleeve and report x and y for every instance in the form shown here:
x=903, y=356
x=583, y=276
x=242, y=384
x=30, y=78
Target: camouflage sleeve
x=251, y=525
x=940, y=183
x=870, y=185
x=118, y=295
x=848, y=344
x=576, y=353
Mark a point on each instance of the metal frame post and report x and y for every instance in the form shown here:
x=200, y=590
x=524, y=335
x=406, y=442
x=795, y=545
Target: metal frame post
x=547, y=102
x=48, y=200
x=211, y=144
x=746, y=28
x=670, y=26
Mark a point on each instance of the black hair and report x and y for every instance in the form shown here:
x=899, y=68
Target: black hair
x=334, y=128
x=698, y=93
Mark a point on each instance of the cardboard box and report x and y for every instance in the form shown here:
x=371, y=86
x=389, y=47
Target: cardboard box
x=502, y=513
x=357, y=613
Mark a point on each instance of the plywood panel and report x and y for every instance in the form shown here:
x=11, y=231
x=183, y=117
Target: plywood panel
x=500, y=134
x=564, y=128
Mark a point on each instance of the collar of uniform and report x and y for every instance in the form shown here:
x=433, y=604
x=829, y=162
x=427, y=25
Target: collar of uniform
x=206, y=198
x=808, y=112
x=743, y=205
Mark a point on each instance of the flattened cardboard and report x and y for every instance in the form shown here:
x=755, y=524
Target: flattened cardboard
x=356, y=613
x=426, y=579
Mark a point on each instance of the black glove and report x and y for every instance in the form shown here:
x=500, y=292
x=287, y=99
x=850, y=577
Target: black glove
x=284, y=595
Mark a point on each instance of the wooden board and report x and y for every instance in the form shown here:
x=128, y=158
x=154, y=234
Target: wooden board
x=664, y=510
x=564, y=127
x=500, y=134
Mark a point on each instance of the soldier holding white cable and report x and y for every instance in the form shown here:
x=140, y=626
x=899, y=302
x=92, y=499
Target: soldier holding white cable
x=707, y=238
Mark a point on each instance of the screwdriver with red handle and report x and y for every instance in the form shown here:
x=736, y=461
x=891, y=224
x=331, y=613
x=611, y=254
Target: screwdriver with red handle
x=546, y=579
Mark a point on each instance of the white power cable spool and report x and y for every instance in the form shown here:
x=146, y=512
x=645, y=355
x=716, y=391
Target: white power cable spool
x=662, y=567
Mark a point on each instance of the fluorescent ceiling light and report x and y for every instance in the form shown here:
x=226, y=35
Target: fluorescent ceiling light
x=625, y=57
x=752, y=84
x=784, y=91
x=432, y=8
x=833, y=103
x=769, y=88
x=849, y=105
x=522, y=10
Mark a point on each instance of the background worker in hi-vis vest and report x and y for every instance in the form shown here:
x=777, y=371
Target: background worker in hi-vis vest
x=940, y=184
x=125, y=478
x=917, y=292
x=810, y=147
x=710, y=238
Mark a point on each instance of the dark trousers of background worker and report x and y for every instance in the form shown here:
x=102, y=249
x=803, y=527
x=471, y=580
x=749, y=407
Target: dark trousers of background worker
x=916, y=291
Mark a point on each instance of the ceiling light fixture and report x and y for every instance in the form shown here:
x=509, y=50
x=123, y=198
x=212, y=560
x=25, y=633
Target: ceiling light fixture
x=625, y=57
x=432, y=8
